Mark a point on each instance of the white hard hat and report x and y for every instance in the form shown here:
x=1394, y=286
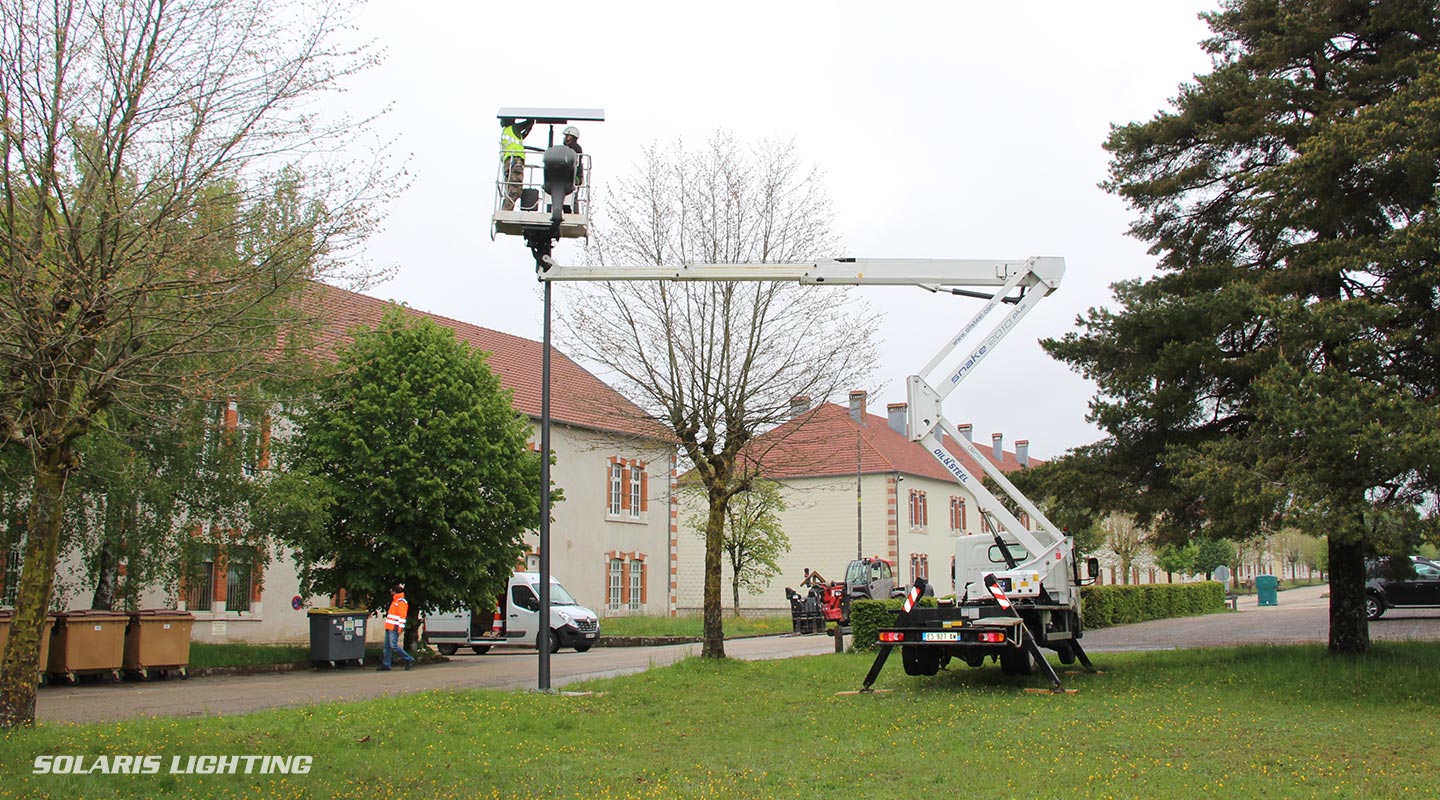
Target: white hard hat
x=571, y=131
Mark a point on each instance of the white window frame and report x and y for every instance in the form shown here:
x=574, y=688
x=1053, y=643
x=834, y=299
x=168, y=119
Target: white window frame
x=617, y=471
x=636, y=489
x=637, y=584
x=617, y=568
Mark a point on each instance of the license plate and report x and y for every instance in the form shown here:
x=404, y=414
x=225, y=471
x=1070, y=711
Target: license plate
x=940, y=636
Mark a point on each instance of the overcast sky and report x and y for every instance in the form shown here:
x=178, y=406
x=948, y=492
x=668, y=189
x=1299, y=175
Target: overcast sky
x=997, y=112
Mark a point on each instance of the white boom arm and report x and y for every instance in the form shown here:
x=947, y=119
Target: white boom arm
x=1034, y=278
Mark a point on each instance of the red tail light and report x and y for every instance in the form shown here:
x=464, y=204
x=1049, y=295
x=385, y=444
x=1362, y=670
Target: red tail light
x=992, y=636
x=892, y=636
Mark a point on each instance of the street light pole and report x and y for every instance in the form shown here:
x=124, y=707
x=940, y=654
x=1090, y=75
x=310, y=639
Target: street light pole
x=543, y=638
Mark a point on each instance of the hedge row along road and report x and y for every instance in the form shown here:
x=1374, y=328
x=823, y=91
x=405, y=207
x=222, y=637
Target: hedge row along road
x=1300, y=617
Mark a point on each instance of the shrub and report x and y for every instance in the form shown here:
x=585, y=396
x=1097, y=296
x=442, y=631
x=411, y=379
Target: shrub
x=867, y=617
x=1103, y=606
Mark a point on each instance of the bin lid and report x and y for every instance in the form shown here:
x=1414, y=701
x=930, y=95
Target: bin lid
x=161, y=613
x=92, y=613
x=331, y=611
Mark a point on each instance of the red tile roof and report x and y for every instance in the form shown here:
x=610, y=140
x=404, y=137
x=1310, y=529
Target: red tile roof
x=576, y=396
x=823, y=443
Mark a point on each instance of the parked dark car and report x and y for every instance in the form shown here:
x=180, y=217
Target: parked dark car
x=1393, y=582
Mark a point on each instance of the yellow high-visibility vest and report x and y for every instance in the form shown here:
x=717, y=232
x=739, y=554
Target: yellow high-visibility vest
x=511, y=145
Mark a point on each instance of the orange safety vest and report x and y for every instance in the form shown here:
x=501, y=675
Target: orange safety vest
x=399, y=610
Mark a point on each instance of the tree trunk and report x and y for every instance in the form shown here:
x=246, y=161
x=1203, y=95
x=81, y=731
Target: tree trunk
x=1349, y=631
x=714, y=644
x=107, y=572
x=21, y=665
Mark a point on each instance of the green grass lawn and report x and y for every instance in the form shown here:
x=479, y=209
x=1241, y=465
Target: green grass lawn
x=1234, y=723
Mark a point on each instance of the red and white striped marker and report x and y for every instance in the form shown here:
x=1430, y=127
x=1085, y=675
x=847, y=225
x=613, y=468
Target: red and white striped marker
x=912, y=598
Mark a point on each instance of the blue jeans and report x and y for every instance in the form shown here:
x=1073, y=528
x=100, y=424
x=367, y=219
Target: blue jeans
x=392, y=643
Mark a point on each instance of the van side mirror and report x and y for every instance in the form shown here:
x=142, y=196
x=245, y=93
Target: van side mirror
x=1092, y=568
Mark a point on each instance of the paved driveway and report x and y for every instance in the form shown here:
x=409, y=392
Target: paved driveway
x=1301, y=616
x=498, y=669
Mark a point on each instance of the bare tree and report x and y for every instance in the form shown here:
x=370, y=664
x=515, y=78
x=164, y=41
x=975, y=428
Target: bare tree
x=1127, y=540
x=718, y=363
x=167, y=189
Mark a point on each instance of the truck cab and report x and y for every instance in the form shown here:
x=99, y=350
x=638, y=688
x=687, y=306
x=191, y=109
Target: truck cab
x=515, y=621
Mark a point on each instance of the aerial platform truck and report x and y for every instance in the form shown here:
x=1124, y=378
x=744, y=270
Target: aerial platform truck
x=1016, y=590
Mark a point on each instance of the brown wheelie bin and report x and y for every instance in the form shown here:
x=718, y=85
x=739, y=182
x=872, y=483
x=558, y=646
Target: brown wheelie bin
x=7, y=618
x=88, y=642
x=158, y=640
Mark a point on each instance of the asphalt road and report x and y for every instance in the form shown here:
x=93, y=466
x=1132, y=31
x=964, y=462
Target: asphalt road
x=1301, y=616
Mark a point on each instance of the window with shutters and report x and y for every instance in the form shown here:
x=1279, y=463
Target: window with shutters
x=617, y=472
x=918, y=511
x=617, y=582
x=636, y=482
x=626, y=490
x=637, y=585
x=957, y=514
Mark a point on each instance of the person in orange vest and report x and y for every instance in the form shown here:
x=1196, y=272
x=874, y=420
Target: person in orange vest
x=394, y=627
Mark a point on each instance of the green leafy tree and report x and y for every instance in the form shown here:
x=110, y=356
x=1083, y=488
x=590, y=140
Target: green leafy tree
x=410, y=467
x=1212, y=553
x=1282, y=368
x=1175, y=558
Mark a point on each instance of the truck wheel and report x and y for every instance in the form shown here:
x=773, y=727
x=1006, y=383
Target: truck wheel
x=1066, y=653
x=554, y=642
x=447, y=649
x=1374, y=607
x=920, y=660
x=581, y=648
x=479, y=649
x=1017, y=662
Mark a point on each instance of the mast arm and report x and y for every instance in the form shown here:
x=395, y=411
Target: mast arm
x=928, y=273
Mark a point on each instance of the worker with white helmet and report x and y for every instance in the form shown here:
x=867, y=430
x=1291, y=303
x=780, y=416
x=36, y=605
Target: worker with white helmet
x=571, y=137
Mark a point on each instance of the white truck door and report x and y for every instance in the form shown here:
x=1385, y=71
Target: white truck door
x=524, y=611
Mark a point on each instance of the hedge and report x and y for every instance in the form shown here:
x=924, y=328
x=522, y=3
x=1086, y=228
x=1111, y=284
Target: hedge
x=867, y=617
x=1101, y=607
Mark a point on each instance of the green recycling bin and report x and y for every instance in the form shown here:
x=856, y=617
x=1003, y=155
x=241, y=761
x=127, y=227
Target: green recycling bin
x=1268, y=589
x=337, y=635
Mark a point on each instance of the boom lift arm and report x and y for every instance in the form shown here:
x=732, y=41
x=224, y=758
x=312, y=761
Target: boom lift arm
x=1032, y=279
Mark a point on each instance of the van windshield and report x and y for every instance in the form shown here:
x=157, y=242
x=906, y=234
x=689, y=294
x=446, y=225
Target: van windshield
x=560, y=597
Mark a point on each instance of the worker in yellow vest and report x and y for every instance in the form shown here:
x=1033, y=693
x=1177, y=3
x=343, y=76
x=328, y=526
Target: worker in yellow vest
x=394, y=628
x=512, y=154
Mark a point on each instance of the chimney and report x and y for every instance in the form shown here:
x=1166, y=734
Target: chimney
x=799, y=404
x=857, y=406
x=1022, y=452
x=965, y=431
x=999, y=441
x=895, y=413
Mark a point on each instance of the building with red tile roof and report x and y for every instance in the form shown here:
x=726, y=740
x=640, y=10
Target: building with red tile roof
x=855, y=485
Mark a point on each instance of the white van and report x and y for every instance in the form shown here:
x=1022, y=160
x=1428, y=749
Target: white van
x=516, y=621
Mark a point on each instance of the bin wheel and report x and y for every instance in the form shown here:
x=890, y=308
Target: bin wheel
x=115, y=676
x=143, y=674
x=332, y=664
x=184, y=674
x=71, y=679
x=44, y=679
